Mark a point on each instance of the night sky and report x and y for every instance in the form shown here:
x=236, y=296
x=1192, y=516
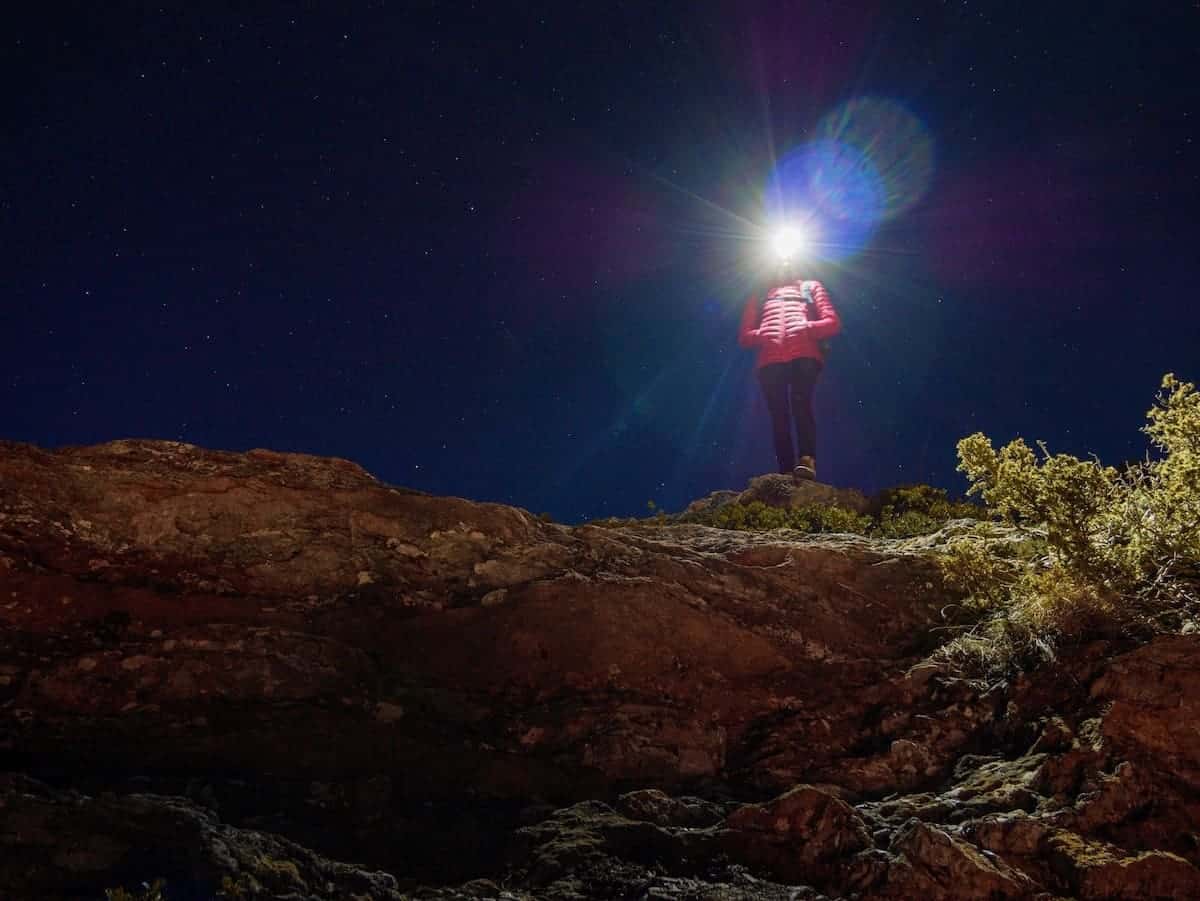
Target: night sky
x=500, y=251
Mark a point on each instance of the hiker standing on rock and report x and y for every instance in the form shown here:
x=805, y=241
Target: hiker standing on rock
x=789, y=328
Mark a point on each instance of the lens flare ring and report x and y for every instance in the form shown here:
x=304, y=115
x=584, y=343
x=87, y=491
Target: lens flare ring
x=871, y=162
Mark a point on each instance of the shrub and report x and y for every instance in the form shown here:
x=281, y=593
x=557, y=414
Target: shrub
x=912, y=510
x=905, y=512
x=757, y=516
x=1119, y=550
x=818, y=518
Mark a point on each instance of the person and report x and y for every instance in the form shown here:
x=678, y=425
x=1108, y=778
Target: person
x=789, y=329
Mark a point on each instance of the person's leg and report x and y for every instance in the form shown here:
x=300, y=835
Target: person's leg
x=802, y=382
x=774, y=381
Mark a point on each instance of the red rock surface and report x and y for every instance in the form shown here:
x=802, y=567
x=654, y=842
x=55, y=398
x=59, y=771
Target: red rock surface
x=404, y=680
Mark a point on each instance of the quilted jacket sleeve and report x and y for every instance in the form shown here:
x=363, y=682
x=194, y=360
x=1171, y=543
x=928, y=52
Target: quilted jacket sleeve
x=827, y=324
x=748, y=333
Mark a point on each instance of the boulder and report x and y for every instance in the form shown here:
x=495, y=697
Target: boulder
x=798, y=837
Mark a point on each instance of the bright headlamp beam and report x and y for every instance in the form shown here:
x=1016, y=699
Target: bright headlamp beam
x=789, y=242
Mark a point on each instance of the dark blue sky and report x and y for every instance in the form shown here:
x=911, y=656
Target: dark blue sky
x=494, y=251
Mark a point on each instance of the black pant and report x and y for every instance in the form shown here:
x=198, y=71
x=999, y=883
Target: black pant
x=788, y=388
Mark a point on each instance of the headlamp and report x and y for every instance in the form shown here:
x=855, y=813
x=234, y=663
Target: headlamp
x=789, y=242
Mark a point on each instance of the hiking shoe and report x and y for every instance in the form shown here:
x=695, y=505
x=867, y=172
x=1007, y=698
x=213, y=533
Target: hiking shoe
x=805, y=471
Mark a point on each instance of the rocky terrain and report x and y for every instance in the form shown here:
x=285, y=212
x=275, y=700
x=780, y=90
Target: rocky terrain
x=268, y=675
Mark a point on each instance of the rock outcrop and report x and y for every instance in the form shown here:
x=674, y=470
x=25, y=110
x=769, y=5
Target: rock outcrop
x=233, y=670
x=776, y=490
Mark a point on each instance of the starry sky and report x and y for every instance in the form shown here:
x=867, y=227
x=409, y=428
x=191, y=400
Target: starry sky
x=500, y=250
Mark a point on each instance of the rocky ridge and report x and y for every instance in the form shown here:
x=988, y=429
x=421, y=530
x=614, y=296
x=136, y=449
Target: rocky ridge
x=233, y=671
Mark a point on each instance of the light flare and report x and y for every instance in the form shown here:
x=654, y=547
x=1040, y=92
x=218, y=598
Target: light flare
x=790, y=242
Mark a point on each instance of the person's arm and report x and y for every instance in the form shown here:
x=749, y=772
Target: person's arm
x=827, y=324
x=748, y=333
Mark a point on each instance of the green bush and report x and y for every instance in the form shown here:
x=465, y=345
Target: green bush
x=911, y=510
x=904, y=512
x=1121, y=549
x=757, y=516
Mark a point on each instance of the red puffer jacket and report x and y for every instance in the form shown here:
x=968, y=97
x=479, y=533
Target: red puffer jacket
x=789, y=326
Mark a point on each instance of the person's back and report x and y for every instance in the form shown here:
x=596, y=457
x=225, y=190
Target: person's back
x=788, y=329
